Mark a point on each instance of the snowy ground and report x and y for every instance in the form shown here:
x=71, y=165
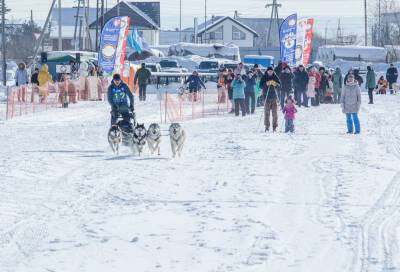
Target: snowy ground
x=238, y=200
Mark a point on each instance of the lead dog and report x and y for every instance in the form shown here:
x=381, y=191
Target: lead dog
x=115, y=138
x=139, y=138
x=154, y=138
x=177, y=136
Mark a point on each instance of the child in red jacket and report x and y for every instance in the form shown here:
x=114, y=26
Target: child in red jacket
x=289, y=110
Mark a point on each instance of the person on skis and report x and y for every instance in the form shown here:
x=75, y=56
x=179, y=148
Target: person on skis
x=120, y=99
x=270, y=84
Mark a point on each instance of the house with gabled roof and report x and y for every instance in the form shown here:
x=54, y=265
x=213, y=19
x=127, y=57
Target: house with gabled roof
x=145, y=16
x=228, y=30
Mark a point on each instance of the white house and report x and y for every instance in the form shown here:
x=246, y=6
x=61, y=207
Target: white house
x=228, y=30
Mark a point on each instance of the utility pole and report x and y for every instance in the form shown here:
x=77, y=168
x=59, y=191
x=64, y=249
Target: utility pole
x=59, y=26
x=43, y=30
x=366, y=23
x=3, y=41
x=76, y=42
x=84, y=25
x=117, y=7
x=274, y=16
x=97, y=25
x=205, y=21
x=180, y=20
x=102, y=15
x=379, y=23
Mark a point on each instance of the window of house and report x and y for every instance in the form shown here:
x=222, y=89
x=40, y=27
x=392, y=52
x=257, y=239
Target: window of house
x=217, y=34
x=237, y=34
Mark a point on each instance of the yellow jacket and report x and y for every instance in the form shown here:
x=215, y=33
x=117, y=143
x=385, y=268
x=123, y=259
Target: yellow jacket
x=44, y=76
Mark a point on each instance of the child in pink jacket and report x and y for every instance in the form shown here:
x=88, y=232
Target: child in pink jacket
x=289, y=110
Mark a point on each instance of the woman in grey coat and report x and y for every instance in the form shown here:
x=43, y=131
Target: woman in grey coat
x=337, y=79
x=350, y=102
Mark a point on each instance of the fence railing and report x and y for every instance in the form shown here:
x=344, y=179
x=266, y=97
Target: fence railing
x=188, y=106
x=30, y=98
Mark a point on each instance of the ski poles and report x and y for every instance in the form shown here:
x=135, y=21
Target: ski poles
x=262, y=115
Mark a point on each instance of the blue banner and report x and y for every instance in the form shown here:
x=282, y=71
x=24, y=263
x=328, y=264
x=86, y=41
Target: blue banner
x=287, y=37
x=109, y=41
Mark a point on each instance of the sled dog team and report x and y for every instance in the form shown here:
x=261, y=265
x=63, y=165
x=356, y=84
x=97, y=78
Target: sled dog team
x=140, y=136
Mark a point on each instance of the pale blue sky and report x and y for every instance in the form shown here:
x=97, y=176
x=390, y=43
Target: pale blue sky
x=321, y=9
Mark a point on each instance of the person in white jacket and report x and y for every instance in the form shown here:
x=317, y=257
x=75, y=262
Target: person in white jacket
x=350, y=102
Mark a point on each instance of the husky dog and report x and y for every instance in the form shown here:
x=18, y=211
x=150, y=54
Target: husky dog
x=115, y=138
x=182, y=92
x=139, y=138
x=177, y=136
x=154, y=138
x=396, y=88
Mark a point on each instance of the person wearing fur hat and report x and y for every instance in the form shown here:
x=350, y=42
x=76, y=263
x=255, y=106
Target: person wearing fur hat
x=21, y=80
x=350, y=102
x=270, y=84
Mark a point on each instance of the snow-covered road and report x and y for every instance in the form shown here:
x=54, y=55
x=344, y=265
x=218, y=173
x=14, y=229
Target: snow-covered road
x=238, y=200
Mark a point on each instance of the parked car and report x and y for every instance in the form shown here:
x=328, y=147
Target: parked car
x=209, y=66
x=262, y=60
x=172, y=66
x=153, y=67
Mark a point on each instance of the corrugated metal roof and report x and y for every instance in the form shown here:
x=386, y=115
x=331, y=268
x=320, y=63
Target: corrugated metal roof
x=68, y=15
x=138, y=17
x=152, y=9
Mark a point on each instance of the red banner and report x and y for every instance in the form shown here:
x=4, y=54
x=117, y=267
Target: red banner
x=308, y=41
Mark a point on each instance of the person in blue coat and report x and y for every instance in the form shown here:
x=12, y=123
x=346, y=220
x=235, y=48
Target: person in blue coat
x=238, y=86
x=249, y=92
x=120, y=99
x=195, y=84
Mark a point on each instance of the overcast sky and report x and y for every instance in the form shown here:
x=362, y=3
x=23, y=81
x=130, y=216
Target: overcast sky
x=321, y=9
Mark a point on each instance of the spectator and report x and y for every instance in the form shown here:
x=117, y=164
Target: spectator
x=337, y=79
x=238, y=85
x=250, y=96
x=21, y=80
x=370, y=84
x=350, y=103
x=392, y=75
x=142, y=77
x=300, y=86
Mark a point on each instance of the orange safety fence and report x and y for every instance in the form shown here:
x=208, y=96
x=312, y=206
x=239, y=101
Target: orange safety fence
x=187, y=106
x=30, y=98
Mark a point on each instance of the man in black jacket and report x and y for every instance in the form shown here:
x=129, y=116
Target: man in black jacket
x=300, y=86
x=391, y=76
x=286, y=79
x=270, y=84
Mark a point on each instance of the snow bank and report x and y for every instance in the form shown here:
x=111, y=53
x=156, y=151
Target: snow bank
x=225, y=51
x=329, y=53
x=347, y=65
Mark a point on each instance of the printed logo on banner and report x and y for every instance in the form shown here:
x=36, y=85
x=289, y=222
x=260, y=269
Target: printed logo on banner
x=113, y=44
x=287, y=34
x=108, y=51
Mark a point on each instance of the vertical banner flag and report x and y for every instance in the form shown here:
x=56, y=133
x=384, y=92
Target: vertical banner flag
x=287, y=37
x=300, y=40
x=113, y=44
x=308, y=41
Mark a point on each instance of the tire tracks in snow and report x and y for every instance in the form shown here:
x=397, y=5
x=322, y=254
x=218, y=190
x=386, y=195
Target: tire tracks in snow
x=377, y=241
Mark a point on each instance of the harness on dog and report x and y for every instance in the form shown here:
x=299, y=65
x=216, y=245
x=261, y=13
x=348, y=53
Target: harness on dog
x=141, y=140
